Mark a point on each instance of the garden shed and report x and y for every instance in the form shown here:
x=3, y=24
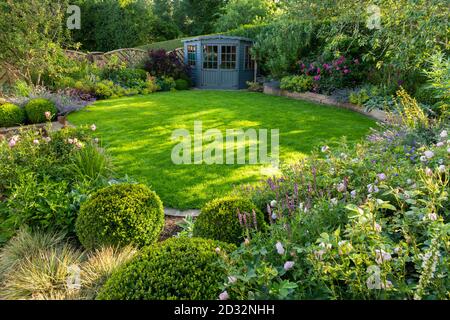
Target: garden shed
x=219, y=62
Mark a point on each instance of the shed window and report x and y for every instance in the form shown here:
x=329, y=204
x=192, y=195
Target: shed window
x=228, y=57
x=210, y=56
x=192, y=54
x=249, y=62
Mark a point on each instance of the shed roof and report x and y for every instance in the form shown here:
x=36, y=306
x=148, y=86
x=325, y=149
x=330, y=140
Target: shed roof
x=215, y=37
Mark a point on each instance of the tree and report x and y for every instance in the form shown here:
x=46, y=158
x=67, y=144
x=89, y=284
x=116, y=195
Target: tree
x=110, y=24
x=32, y=33
x=242, y=12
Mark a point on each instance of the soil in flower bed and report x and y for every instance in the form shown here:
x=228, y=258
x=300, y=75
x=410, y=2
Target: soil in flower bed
x=170, y=227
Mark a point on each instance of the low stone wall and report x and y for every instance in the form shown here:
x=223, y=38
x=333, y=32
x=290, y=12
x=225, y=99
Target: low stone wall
x=270, y=88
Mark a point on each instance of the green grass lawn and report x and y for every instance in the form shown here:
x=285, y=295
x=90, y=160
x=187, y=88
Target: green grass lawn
x=137, y=132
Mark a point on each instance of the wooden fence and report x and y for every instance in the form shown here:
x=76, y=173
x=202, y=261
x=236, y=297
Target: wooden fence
x=131, y=56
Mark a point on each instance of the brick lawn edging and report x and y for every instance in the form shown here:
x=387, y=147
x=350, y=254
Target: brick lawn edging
x=273, y=89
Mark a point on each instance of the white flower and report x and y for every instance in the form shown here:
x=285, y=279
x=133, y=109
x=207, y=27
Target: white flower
x=441, y=168
x=353, y=194
x=289, y=265
x=381, y=176
x=428, y=172
x=444, y=134
x=423, y=158
x=232, y=279
x=48, y=115
x=93, y=127
x=279, y=248
x=341, y=187
x=409, y=181
x=429, y=154
x=35, y=141
x=325, y=148
x=334, y=201
x=96, y=140
x=396, y=250
x=217, y=250
x=47, y=139
x=273, y=203
x=70, y=141
x=382, y=256
x=224, y=296
x=439, y=144
x=274, y=216
x=343, y=156
x=432, y=216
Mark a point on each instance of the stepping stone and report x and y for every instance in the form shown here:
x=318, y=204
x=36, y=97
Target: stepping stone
x=179, y=213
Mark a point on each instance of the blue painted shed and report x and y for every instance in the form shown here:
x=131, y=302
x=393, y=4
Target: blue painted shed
x=219, y=62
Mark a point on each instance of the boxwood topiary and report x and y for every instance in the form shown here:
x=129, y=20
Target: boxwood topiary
x=36, y=109
x=11, y=115
x=181, y=84
x=120, y=214
x=219, y=219
x=176, y=269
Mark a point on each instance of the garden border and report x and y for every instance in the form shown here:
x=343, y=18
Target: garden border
x=272, y=88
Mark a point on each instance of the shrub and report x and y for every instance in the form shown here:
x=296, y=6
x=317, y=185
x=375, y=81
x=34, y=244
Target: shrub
x=179, y=268
x=161, y=63
x=36, y=109
x=105, y=89
x=228, y=219
x=166, y=83
x=125, y=77
x=181, y=84
x=119, y=215
x=11, y=115
x=359, y=97
x=297, y=83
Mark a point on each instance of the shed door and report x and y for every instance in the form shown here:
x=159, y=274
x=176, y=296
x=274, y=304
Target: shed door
x=220, y=66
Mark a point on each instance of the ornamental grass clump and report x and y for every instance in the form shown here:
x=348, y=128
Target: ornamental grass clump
x=177, y=269
x=119, y=215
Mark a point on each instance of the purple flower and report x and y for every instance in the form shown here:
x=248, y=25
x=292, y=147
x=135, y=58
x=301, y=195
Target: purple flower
x=381, y=176
x=289, y=265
